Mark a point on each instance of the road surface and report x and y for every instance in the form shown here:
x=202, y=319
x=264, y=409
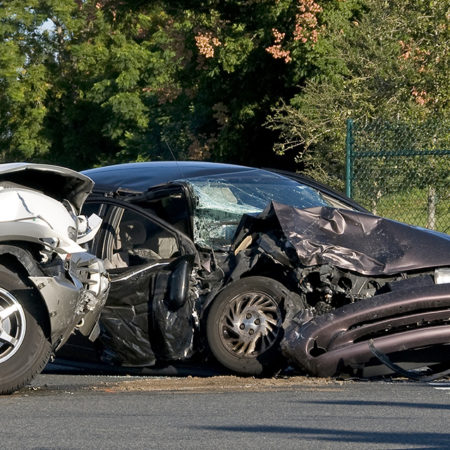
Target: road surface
x=99, y=412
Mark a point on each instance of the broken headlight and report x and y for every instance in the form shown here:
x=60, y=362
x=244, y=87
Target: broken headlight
x=442, y=276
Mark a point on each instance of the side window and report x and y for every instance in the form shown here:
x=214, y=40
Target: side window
x=128, y=238
x=138, y=241
x=89, y=208
x=168, y=204
x=92, y=208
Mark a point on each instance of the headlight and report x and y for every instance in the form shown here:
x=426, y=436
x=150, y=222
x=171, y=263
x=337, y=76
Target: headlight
x=442, y=276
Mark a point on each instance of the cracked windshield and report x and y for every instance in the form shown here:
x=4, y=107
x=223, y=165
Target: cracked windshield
x=222, y=200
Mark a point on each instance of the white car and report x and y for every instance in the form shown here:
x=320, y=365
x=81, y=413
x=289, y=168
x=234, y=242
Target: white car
x=49, y=284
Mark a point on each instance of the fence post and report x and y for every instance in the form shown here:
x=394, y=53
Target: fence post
x=349, y=158
x=431, y=208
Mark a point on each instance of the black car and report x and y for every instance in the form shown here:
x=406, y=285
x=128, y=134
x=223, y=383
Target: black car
x=259, y=268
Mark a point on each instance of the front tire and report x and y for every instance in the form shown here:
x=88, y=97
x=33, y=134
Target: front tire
x=244, y=326
x=24, y=349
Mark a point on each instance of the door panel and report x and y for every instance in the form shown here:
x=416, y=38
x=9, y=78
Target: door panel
x=148, y=316
x=140, y=325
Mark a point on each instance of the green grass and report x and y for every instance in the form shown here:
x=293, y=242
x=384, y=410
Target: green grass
x=411, y=207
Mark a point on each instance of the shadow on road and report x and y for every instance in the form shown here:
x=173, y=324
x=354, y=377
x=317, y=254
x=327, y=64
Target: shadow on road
x=428, y=440
x=377, y=403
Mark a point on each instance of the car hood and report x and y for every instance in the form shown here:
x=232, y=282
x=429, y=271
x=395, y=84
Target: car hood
x=352, y=240
x=56, y=182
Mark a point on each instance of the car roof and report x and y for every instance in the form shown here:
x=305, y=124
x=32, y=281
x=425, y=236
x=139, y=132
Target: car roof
x=143, y=175
x=139, y=177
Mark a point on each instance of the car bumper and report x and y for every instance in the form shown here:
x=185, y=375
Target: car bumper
x=74, y=297
x=398, y=322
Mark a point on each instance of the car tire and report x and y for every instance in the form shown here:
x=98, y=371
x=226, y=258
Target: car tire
x=24, y=348
x=244, y=326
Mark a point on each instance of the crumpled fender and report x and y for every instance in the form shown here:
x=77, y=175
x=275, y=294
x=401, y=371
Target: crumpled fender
x=54, y=291
x=58, y=289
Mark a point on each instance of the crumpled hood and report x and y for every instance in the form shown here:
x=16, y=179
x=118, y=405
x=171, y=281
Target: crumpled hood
x=352, y=240
x=57, y=182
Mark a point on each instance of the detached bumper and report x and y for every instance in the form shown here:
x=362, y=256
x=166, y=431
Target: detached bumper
x=74, y=297
x=400, y=322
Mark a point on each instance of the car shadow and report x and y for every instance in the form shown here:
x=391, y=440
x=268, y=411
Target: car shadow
x=427, y=440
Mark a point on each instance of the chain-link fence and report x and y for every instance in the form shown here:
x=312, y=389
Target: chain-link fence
x=401, y=171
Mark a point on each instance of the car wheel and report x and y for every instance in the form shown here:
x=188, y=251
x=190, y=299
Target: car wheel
x=24, y=349
x=244, y=326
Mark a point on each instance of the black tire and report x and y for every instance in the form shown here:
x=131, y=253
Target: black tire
x=243, y=326
x=24, y=349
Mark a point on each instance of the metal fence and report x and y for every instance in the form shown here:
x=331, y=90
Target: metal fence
x=401, y=171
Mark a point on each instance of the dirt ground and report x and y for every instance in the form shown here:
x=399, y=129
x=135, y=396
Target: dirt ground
x=220, y=384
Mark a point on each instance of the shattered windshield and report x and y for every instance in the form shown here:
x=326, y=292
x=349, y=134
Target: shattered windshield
x=221, y=200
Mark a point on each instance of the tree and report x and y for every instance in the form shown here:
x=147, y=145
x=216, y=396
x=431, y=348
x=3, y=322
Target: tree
x=116, y=80
x=389, y=62
x=23, y=83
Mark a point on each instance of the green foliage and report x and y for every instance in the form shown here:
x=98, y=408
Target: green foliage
x=23, y=84
x=385, y=61
x=91, y=82
x=110, y=81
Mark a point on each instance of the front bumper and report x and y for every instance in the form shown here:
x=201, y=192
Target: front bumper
x=74, y=296
x=401, y=323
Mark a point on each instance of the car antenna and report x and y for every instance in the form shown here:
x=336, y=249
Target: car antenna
x=175, y=159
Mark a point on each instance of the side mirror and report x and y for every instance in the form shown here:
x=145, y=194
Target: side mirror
x=179, y=284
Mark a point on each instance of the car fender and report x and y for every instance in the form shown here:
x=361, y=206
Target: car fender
x=55, y=290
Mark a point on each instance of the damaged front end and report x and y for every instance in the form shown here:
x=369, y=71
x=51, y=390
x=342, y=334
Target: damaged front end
x=367, y=288
x=74, y=291
x=411, y=325
x=50, y=283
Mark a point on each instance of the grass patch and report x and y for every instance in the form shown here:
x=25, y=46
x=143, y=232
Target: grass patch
x=411, y=207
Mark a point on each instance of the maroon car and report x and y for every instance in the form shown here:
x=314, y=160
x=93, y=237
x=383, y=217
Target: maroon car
x=259, y=269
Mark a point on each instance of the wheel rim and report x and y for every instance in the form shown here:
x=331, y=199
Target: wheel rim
x=12, y=325
x=251, y=324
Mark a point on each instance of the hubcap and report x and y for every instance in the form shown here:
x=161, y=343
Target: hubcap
x=251, y=324
x=12, y=325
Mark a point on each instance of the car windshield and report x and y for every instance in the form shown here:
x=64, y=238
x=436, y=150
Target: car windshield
x=221, y=200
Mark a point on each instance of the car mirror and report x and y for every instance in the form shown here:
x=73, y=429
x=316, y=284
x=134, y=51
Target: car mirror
x=179, y=284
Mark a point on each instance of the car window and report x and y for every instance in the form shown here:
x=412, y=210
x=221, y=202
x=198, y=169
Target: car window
x=169, y=204
x=221, y=200
x=128, y=238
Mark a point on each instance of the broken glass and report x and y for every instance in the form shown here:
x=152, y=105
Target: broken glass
x=222, y=200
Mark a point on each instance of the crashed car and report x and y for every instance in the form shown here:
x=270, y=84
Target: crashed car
x=49, y=284
x=260, y=269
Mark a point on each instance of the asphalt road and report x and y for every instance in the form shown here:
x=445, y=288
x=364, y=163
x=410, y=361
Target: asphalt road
x=76, y=411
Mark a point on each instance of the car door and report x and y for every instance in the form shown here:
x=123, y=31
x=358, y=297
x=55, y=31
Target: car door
x=149, y=314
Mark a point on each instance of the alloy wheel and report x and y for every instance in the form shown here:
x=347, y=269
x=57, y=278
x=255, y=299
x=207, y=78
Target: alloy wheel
x=12, y=325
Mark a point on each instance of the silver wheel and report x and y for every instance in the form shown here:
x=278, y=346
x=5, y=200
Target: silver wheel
x=251, y=324
x=24, y=348
x=12, y=325
x=244, y=326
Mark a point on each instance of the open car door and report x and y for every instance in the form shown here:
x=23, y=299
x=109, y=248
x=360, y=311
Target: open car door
x=149, y=314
